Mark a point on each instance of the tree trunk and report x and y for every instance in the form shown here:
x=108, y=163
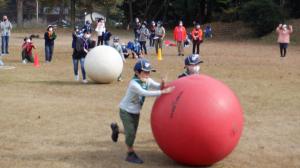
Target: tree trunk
x=209, y=11
x=37, y=11
x=73, y=12
x=202, y=12
x=61, y=11
x=130, y=12
x=159, y=10
x=282, y=3
x=166, y=10
x=186, y=12
x=148, y=6
x=20, y=13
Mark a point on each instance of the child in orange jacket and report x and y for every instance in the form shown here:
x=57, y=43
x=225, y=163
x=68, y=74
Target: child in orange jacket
x=197, y=38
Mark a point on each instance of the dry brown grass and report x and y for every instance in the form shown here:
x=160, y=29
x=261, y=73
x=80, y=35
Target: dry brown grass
x=49, y=120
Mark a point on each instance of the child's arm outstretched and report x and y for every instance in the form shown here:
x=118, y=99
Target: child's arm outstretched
x=136, y=88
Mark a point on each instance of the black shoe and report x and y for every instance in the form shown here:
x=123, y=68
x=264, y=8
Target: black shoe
x=115, y=132
x=133, y=158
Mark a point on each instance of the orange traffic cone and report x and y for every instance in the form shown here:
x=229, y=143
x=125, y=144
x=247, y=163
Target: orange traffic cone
x=36, y=60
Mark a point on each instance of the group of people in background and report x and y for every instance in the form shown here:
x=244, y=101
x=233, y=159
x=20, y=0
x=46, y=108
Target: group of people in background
x=155, y=32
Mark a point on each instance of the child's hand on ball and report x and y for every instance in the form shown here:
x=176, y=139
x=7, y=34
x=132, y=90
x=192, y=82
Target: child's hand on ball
x=168, y=90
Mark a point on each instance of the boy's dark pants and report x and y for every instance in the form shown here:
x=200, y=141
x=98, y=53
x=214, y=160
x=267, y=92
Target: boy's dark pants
x=130, y=123
x=49, y=52
x=27, y=56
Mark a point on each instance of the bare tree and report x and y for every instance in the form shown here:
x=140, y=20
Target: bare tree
x=130, y=11
x=20, y=13
x=73, y=11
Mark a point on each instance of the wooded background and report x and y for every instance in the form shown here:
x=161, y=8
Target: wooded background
x=170, y=12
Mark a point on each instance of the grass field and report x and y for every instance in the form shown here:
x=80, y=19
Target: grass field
x=48, y=120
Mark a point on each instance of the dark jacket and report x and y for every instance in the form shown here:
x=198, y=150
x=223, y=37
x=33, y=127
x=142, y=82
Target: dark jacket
x=74, y=38
x=184, y=74
x=49, y=38
x=87, y=28
x=106, y=36
x=82, y=44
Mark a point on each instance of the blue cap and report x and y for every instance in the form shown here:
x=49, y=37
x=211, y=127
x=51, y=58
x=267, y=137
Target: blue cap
x=143, y=65
x=193, y=59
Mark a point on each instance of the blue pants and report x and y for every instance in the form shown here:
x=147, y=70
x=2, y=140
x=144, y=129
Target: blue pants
x=4, y=46
x=106, y=42
x=49, y=52
x=75, y=63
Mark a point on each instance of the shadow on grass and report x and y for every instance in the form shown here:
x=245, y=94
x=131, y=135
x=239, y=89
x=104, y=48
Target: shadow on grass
x=99, y=154
x=62, y=83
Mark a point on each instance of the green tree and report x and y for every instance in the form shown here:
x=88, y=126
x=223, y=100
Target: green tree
x=262, y=15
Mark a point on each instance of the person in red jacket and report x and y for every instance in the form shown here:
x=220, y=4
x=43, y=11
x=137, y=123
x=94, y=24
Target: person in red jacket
x=179, y=37
x=197, y=38
x=27, y=50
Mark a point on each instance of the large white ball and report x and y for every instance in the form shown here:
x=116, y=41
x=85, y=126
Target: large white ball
x=103, y=64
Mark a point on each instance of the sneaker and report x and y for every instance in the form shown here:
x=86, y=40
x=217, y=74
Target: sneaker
x=115, y=132
x=120, y=79
x=84, y=81
x=76, y=77
x=24, y=62
x=133, y=158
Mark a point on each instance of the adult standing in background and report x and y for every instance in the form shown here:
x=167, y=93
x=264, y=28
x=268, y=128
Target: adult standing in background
x=284, y=32
x=137, y=28
x=160, y=34
x=6, y=27
x=144, y=34
x=152, y=33
x=180, y=37
x=100, y=29
x=49, y=37
x=87, y=27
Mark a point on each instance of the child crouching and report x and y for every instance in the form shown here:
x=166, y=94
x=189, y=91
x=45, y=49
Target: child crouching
x=27, y=51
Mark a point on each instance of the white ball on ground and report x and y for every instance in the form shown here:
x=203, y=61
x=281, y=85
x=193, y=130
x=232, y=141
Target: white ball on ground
x=103, y=64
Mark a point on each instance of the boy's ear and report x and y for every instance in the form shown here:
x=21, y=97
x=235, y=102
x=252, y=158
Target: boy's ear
x=137, y=73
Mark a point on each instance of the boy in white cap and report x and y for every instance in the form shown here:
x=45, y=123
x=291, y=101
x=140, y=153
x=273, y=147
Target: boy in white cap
x=131, y=105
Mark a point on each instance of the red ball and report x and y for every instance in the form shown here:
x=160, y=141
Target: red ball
x=199, y=123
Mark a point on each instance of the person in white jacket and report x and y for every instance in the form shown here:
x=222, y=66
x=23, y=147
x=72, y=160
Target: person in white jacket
x=100, y=29
x=131, y=105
